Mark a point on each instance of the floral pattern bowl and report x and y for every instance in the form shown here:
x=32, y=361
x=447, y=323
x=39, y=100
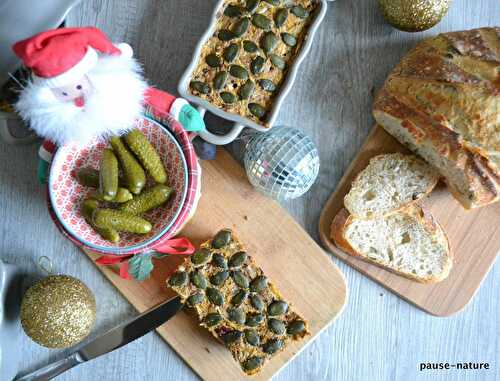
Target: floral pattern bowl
x=66, y=194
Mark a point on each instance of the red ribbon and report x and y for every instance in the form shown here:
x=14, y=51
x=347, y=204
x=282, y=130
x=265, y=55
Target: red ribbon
x=174, y=246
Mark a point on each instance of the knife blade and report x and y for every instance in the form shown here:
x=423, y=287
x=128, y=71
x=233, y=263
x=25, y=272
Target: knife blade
x=113, y=339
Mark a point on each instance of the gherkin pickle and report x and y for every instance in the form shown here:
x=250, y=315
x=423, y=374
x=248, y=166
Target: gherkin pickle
x=122, y=195
x=147, y=200
x=88, y=177
x=121, y=221
x=135, y=177
x=88, y=207
x=147, y=155
x=108, y=175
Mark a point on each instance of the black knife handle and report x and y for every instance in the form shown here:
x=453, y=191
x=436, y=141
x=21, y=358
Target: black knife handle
x=52, y=370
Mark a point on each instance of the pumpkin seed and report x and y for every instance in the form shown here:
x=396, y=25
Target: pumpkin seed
x=258, y=284
x=277, y=61
x=201, y=87
x=221, y=239
x=268, y=42
x=239, y=298
x=215, y=296
x=261, y=21
x=225, y=35
x=241, y=27
x=251, y=5
x=277, y=308
x=231, y=52
x=257, y=65
x=236, y=315
x=272, y=346
x=212, y=319
x=273, y=2
x=250, y=46
x=276, y=326
x=300, y=12
x=252, y=337
x=257, y=302
x=195, y=299
x=267, y=84
x=257, y=110
x=289, y=39
x=238, y=72
x=220, y=80
x=200, y=257
x=228, y=97
x=252, y=363
x=253, y=320
x=233, y=11
x=218, y=260
x=246, y=92
x=240, y=279
x=296, y=327
x=213, y=60
x=280, y=17
x=219, y=278
x=231, y=337
x=178, y=279
x=237, y=259
x=199, y=280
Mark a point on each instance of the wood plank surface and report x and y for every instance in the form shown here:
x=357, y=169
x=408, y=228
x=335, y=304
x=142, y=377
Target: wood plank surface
x=379, y=336
x=290, y=258
x=472, y=235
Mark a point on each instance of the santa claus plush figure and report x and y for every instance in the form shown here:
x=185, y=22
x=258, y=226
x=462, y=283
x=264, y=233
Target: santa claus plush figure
x=84, y=86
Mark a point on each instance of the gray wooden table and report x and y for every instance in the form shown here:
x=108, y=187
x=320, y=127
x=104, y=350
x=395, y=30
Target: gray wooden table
x=379, y=336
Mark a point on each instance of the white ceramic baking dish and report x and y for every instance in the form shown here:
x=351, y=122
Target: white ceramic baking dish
x=239, y=121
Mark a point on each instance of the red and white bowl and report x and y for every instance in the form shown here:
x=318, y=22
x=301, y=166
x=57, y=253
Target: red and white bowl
x=179, y=159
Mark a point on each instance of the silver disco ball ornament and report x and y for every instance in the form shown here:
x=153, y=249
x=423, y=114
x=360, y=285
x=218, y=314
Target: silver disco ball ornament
x=282, y=163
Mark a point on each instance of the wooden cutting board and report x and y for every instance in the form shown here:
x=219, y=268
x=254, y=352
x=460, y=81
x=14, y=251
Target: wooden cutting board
x=301, y=270
x=474, y=237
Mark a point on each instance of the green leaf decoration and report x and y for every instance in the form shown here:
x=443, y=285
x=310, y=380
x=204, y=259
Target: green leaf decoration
x=159, y=255
x=140, y=266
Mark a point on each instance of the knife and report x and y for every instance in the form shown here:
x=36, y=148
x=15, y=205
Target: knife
x=111, y=340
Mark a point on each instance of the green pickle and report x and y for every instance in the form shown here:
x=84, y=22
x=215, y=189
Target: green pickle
x=108, y=175
x=121, y=221
x=147, y=200
x=122, y=195
x=147, y=155
x=88, y=208
x=88, y=177
x=135, y=177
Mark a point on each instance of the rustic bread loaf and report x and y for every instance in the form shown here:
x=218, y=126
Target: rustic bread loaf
x=409, y=243
x=443, y=102
x=389, y=183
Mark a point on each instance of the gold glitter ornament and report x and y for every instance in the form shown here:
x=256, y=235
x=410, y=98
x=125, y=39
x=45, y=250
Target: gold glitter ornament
x=414, y=15
x=58, y=311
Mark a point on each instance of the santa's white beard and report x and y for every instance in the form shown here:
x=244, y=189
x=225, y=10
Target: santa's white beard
x=116, y=101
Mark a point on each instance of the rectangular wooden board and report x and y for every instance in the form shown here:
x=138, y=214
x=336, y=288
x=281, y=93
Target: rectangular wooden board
x=474, y=237
x=301, y=270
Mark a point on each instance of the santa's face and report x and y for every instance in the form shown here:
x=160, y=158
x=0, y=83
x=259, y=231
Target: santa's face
x=75, y=92
x=105, y=101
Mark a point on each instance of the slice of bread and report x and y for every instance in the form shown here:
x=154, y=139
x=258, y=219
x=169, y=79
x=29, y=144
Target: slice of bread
x=389, y=183
x=409, y=243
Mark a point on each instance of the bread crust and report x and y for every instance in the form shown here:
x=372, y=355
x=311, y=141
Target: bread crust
x=342, y=220
x=442, y=101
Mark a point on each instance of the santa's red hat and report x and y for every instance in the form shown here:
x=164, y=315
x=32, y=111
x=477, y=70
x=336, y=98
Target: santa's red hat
x=59, y=57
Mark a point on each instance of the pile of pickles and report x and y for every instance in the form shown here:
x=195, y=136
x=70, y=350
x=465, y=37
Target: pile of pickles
x=120, y=198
